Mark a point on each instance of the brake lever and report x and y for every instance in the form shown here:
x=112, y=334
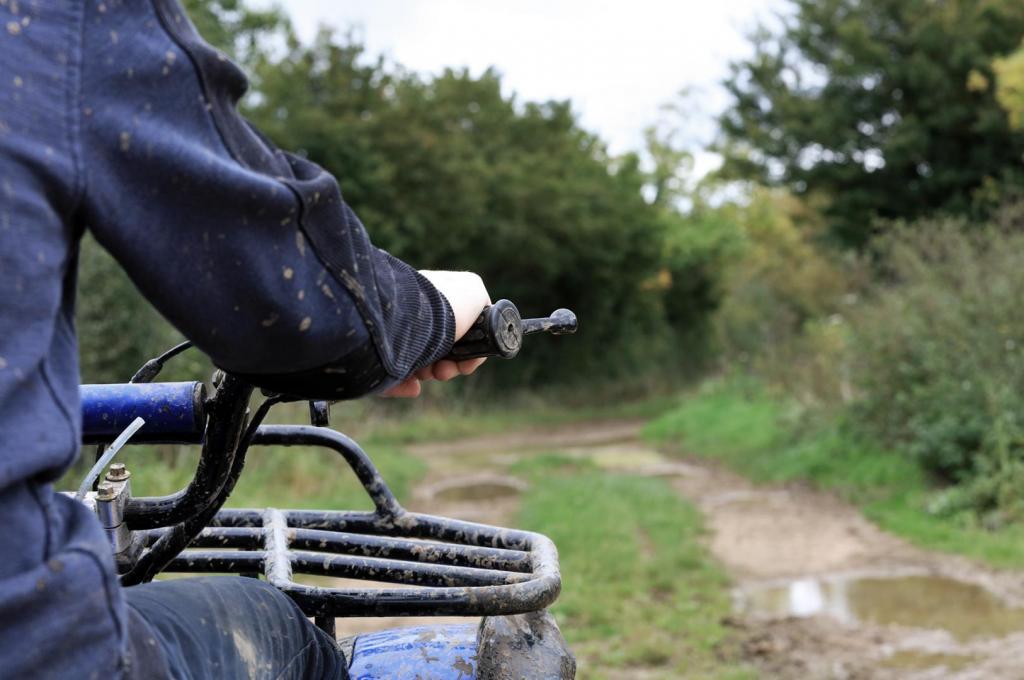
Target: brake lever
x=499, y=331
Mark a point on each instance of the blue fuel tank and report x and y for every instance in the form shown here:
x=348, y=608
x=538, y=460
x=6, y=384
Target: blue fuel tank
x=435, y=652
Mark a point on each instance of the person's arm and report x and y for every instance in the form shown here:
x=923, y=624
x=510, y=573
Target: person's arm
x=251, y=252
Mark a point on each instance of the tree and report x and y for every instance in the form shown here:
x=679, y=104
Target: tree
x=1010, y=86
x=701, y=236
x=886, y=107
x=236, y=28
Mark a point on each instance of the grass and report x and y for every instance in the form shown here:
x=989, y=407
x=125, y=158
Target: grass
x=294, y=477
x=765, y=438
x=640, y=590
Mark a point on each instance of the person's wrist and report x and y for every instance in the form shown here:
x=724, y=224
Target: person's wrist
x=466, y=295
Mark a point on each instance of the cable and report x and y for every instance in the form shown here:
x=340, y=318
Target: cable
x=151, y=368
x=95, y=470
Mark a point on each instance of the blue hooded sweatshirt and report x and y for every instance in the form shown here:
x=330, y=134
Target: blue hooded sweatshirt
x=116, y=117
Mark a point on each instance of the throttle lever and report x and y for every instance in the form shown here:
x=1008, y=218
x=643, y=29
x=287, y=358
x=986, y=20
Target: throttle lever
x=499, y=331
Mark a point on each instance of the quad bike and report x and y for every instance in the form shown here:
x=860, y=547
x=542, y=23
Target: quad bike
x=441, y=566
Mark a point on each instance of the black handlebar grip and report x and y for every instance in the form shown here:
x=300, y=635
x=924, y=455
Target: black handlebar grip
x=497, y=332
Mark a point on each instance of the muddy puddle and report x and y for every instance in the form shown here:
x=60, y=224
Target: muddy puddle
x=964, y=610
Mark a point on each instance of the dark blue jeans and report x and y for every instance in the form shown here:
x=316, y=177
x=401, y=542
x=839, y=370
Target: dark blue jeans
x=225, y=627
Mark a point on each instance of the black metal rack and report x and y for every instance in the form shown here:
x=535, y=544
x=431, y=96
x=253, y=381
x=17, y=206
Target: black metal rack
x=455, y=568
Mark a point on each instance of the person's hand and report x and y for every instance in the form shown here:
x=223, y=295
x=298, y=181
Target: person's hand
x=467, y=295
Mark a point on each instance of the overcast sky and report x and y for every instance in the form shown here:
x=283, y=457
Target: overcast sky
x=618, y=61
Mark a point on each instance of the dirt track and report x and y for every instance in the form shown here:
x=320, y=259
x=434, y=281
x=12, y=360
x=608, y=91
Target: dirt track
x=771, y=539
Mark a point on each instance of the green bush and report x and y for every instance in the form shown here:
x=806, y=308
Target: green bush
x=938, y=357
x=1009, y=73
x=782, y=297
x=918, y=346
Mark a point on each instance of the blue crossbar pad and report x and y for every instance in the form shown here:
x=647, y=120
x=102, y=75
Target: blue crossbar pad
x=173, y=412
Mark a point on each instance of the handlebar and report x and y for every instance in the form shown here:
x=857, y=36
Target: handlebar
x=499, y=331
x=177, y=411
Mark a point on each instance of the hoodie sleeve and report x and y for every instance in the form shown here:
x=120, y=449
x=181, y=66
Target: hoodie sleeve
x=251, y=252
